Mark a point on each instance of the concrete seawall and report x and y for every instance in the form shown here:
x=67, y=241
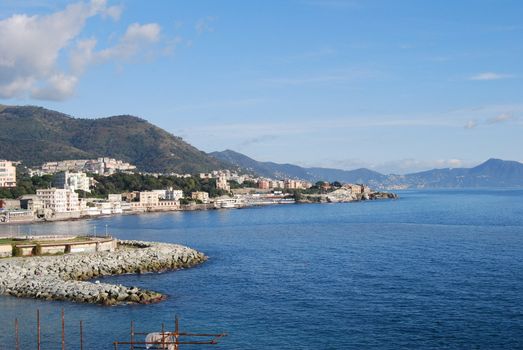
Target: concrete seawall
x=65, y=277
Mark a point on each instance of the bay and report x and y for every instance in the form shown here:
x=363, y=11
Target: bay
x=434, y=269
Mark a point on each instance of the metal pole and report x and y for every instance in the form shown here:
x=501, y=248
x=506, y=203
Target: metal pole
x=163, y=335
x=81, y=335
x=38, y=328
x=106, y=230
x=176, y=332
x=63, y=330
x=17, y=339
x=132, y=336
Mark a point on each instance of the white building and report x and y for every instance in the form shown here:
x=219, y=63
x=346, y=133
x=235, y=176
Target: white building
x=150, y=201
x=102, y=166
x=161, y=193
x=173, y=195
x=59, y=200
x=7, y=174
x=114, y=197
x=72, y=181
x=222, y=184
x=200, y=196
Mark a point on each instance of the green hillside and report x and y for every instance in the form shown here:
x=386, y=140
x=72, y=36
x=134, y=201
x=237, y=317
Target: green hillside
x=36, y=135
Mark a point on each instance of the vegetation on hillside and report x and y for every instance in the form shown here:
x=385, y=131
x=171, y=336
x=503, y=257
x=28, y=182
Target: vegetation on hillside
x=117, y=183
x=120, y=182
x=35, y=135
x=26, y=185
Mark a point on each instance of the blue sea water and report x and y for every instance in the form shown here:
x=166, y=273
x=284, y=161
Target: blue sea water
x=432, y=270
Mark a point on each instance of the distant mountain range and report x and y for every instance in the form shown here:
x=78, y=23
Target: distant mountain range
x=283, y=171
x=36, y=135
x=492, y=173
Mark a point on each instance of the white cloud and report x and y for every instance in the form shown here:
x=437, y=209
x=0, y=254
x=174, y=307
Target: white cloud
x=31, y=48
x=58, y=87
x=501, y=118
x=136, y=37
x=471, y=124
x=204, y=24
x=490, y=76
x=133, y=43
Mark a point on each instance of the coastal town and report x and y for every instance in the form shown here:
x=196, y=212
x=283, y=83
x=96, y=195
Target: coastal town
x=68, y=194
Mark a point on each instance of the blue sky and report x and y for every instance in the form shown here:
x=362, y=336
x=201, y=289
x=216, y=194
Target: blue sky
x=396, y=86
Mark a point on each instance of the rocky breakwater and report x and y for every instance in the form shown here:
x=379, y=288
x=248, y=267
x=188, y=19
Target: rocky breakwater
x=66, y=277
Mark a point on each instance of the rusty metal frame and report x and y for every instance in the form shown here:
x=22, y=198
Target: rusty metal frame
x=165, y=341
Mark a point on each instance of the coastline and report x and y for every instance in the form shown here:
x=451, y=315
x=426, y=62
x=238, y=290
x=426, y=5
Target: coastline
x=196, y=207
x=69, y=277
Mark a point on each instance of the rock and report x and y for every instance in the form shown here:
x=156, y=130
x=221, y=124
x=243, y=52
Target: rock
x=63, y=277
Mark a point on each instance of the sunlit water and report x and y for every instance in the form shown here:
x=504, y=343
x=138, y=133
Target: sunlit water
x=435, y=269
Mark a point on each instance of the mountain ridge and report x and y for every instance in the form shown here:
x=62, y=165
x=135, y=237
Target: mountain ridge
x=491, y=173
x=36, y=135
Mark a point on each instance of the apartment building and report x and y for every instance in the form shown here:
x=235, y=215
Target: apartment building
x=7, y=173
x=72, y=181
x=222, y=183
x=59, y=200
x=201, y=196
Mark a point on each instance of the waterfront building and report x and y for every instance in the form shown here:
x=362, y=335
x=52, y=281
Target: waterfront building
x=59, y=200
x=169, y=194
x=130, y=196
x=114, y=197
x=173, y=195
x=31, y=202
x=358, y=189
x=161, y=193
x=150, y=201
x=7, y=173
x=9, y=204
x=72, y=181
x=148, y=198
x=201, y=196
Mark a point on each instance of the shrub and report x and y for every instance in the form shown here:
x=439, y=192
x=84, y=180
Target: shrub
x=37, y=250
x=17, y=251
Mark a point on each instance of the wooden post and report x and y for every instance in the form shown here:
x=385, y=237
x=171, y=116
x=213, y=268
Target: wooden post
x=163, y=335
x=132, y=336
x=17, y=338
x=63, y=330
x=176, y=332
x=38, y=328
x=81, y=335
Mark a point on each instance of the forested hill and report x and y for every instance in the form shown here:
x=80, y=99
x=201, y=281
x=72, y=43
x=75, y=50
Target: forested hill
x=36, y=135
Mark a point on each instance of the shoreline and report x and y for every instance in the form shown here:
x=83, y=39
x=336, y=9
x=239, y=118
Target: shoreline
x=70, y=277
x=383, y=196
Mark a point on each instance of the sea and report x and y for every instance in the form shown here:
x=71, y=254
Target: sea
x=434, y=269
